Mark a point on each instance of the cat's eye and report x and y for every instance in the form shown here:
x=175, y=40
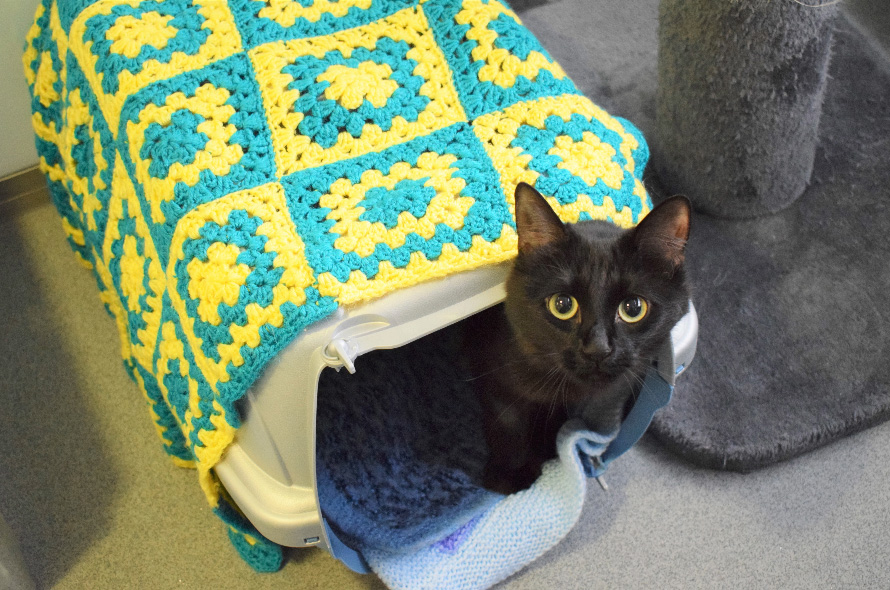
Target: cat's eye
x=562, y=306
x=633, y=309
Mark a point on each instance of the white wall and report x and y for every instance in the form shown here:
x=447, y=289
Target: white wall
x=16, y=136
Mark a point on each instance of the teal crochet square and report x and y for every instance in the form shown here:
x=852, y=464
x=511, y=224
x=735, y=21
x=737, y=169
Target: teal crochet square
x=543, y=145
x=174, y=441
x=484, y=78
x=46, y=102
x=391, y=206
x=90, y=157
x=210, y=404
x=239, y=289
x=130, y=267
x=325, y=118
x=181, y=375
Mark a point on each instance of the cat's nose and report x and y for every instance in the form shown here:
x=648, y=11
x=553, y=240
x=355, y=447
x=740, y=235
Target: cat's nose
x=597, y=355
x=597, y=346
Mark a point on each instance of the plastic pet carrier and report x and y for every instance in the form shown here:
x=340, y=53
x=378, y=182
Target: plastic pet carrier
x=270, y=469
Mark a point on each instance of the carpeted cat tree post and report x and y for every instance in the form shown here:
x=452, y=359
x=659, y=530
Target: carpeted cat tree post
x=740, y=88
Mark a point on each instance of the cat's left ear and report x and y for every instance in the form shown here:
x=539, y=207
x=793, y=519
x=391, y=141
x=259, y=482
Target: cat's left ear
x=664, y=232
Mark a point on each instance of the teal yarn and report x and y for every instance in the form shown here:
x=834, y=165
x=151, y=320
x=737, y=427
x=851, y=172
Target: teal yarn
x=561, y=183
x=486, y=217
x=260, y=553
x=324, y=118
x=166, y=143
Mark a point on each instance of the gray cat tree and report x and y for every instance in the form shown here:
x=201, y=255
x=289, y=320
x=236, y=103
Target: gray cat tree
x=740, y=89
x=790, y=272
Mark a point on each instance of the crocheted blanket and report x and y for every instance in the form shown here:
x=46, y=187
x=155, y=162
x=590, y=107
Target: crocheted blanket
x=234, y=171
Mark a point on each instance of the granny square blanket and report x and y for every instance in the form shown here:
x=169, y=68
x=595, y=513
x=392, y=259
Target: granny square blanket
x=233, y=171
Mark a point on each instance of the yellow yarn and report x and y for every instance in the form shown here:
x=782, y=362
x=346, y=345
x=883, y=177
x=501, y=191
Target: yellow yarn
x=389, y=278
x=501, y=67
x=78, y=116
x=31, y=53
x=362, y=236
x=130, y=34
x=351, y=86
x=499, y=129
x=218, y=155
x=44, y=80
x=591, y=160
x=218, y=280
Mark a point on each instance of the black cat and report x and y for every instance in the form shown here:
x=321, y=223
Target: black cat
x=588, y=306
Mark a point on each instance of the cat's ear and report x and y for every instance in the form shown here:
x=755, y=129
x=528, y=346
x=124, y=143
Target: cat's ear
x=664, y=232
x=536, y=223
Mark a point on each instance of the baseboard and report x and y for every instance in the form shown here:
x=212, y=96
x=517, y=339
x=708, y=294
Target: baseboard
x=21, y=183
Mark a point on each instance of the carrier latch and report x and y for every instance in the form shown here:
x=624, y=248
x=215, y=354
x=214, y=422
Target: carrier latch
x=341, y=352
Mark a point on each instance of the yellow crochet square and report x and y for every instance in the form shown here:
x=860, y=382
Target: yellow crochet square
x=48, y=85
x=523, y=140
x=210, y=268
x=350, y=203
x=286, y=12
x=346, y=94
x=501, y=66
x=87, y=188
x=142, y=42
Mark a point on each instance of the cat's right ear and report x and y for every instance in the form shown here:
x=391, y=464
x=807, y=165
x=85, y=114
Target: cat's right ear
x=536, y=222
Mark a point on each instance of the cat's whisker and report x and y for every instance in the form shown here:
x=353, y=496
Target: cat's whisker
x=562, y=391
x=551, y=373
x=565, y=393
x=498, y=368
x=634, y=391
x=551, y=406
x=630, y=385
x=505, y=410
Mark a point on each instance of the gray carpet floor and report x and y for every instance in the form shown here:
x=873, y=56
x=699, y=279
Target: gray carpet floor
x=95, y=502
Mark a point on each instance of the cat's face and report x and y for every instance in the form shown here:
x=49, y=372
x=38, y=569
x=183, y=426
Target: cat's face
x=592, y=300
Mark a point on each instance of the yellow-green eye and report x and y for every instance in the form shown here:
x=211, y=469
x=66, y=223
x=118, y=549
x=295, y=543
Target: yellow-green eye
x=633, y=309
x=562, y=306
